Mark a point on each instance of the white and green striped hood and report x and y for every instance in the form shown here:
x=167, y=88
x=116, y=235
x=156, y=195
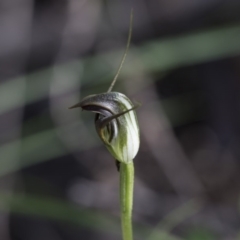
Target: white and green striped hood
x=116, y=123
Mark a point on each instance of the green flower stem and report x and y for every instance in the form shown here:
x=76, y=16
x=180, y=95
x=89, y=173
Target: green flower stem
x=126, y=198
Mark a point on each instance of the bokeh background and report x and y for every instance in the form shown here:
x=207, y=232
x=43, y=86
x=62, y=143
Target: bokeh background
x=57, y=180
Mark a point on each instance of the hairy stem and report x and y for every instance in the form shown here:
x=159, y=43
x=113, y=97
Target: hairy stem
x=126, y=198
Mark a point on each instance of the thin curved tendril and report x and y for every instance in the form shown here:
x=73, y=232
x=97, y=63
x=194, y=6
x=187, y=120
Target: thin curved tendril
x=125, y=53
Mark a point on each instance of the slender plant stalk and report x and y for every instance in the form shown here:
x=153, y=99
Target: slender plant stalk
x=116, y=124
x=126, y=198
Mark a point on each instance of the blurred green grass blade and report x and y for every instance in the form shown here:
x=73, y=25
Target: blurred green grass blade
x=159, y=55
x=191, y=49
x=166, y=54
x=59, y=210
x=176, y=217
x=202, y=234
x=33, y=149
x=12, y=94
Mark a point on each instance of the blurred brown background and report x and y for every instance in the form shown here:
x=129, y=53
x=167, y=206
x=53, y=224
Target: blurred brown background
x=57, y=180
